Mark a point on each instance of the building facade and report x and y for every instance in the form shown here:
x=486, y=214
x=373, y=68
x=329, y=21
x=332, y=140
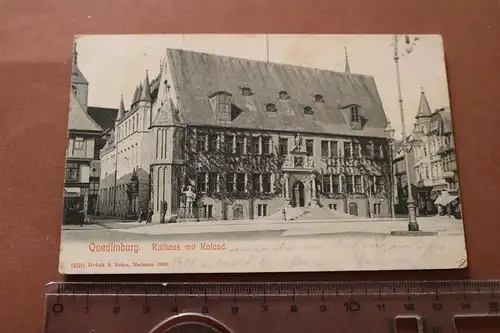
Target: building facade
x=216, y=137
x=401, y=178
x=83, y=132
x=434, y=152
x=446, y=150
x=106, y=118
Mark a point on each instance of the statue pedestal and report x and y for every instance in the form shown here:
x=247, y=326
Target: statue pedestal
x=314, y=203
x=157, y=218
x=190, y=217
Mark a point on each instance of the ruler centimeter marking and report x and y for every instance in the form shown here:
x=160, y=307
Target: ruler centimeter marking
x=434, y=306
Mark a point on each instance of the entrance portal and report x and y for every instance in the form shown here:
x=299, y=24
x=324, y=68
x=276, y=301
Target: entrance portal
x=353, y=209
x=298, y=194
x=238, y=212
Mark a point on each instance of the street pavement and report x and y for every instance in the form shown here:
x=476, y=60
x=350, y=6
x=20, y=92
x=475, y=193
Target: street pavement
x=119, y=230
x=265, y=246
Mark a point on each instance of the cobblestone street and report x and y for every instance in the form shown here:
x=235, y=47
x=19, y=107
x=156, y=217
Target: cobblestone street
x=116, y=230
x=348, y=245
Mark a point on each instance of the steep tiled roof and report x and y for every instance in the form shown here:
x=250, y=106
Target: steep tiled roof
x=121, y=110
x=77, y=76
x=146, y=90
x=78, y=119
x=167, y=115
x=105, y=117
x=397, y=144
x=134, y=99
x=198, y=75
x=398, y=148
x=110, y=144
x=423, y=107
x=155, y=83
x=447, y=122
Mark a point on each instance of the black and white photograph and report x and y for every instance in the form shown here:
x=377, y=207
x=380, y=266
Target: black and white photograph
x=209, y=153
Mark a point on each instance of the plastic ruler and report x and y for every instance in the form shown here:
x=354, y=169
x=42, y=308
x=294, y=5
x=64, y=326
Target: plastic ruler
x=346, y=307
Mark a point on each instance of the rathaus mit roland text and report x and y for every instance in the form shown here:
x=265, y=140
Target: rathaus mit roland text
x=220, y=138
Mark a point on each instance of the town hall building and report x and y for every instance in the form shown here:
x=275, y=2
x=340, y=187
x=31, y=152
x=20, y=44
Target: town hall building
x=220, y=138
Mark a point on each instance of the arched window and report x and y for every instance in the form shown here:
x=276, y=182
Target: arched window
x=246, y=91
x=318, y=98
x=283, y=95
x=270, y=107
x=308, y=110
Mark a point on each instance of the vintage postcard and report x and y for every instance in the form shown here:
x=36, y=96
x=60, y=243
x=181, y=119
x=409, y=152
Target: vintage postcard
x=260, y=153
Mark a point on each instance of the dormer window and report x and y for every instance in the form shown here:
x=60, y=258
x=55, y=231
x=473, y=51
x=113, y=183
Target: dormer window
x=318, y=98
x=246, y=91
x=308, y=110
x=270, y=107
x=355, y=117
x=283, y=95
x=221, y=103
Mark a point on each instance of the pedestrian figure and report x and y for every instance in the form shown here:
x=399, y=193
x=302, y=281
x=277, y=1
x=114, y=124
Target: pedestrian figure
x=140, y=215
x=163, y=211
x=150, y=216
x=283, y=213
x=448, y=210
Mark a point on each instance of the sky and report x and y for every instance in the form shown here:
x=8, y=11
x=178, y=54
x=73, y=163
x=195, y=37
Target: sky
x=115, y=64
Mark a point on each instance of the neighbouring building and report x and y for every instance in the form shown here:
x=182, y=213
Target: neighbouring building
x=105, y=117
x=83, y=132
x=443, y=126
x=400, y=173
x=217, y=137
x=434, y=152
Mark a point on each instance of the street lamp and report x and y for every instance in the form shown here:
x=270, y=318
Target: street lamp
x=389, y=131
x=409, y=44
x=132, y=190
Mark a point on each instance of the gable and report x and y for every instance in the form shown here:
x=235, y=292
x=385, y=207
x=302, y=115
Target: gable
x=78, y=119
x=105, y=117
x=77, y=76
x=446, y=121
x=197, y=76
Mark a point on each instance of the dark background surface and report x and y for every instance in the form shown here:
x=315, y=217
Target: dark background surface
x=35, y=64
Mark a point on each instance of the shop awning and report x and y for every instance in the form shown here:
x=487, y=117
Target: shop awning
x=438, y=200
x=72, y=193
x=444, y=198
x=449, y=174
x=449, y=199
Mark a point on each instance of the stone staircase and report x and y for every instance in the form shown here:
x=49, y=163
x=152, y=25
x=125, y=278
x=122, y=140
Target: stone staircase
x=323, y=213
x=307, y=213
x=292, y=213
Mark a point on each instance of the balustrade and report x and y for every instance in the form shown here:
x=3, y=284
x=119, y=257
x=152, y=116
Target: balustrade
x=298, y=162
